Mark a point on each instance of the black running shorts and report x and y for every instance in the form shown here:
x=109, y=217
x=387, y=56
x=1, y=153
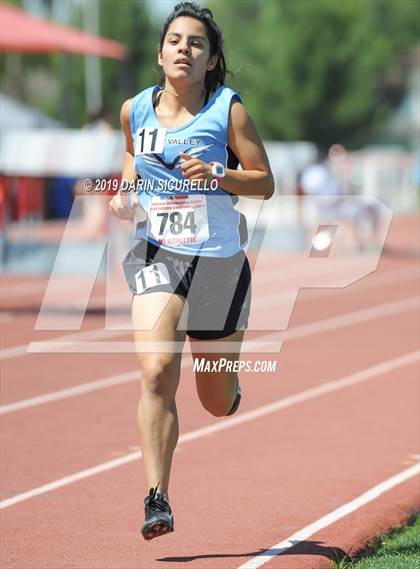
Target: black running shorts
x=217, y=289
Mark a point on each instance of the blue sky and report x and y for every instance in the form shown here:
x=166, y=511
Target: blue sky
x=61, y=8
x=160, y=9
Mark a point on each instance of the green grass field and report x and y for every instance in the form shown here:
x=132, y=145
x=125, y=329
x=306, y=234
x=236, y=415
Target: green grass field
x=399, y=549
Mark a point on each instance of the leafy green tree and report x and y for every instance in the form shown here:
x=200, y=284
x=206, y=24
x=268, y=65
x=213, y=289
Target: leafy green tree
x=128, y=22
x=318, y=69
x=321, y=70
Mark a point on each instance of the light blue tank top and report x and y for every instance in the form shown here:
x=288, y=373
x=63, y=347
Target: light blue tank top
x=181, y=217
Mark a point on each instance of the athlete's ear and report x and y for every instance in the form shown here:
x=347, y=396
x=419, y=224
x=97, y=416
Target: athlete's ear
x=212, y=62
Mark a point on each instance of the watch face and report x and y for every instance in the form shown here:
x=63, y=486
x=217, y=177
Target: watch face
x=218, y=170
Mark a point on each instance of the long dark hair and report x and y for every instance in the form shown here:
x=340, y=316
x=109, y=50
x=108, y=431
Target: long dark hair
x=216, y=76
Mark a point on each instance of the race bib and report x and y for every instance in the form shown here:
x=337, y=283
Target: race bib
x=153, y=275
x=149, y=140
x=179, y=219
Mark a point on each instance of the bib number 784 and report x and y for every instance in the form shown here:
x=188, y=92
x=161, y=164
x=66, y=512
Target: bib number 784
x=176, y=224
x=178, y=221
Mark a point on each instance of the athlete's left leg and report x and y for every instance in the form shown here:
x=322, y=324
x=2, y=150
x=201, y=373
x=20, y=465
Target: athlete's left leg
x=217, y=389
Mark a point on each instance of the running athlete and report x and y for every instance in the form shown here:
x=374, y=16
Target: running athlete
x=184, y=139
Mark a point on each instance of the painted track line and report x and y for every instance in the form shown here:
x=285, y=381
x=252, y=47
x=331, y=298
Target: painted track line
x=256, y=346
x=282, y=297
x=355, y=317
x=331, y=518
x=292, y=334
x=74, y=391
x=24, y=289
x=40, y=285
x=22, y=349
x=224, y=424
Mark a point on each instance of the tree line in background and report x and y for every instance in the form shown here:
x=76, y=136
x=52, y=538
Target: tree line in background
x=320, y=70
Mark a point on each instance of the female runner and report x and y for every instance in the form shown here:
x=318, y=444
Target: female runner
x=184, y=139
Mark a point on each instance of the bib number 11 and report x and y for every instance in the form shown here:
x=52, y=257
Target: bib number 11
x=150, y=140
x=151, y=276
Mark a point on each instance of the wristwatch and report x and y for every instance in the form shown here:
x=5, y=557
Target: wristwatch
x=218, y=170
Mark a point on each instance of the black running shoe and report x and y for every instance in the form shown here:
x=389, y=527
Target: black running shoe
x=158, y=515
x=236, y=402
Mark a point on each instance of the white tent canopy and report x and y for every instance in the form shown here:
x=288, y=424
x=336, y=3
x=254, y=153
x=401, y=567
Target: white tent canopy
x=14, y=114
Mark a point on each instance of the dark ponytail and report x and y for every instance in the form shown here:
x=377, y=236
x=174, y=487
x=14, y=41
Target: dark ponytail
x=216, y=76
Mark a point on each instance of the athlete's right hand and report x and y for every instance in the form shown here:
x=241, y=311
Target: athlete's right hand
x=121, y=206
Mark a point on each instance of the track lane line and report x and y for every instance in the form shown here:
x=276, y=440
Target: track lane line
x=22, y=289
x=350, y=318
x=255, y=345
x=224, y=424
x=292, y=334
x=331, y=518
x=22, y=349
x=268, y=300
x=74, y=391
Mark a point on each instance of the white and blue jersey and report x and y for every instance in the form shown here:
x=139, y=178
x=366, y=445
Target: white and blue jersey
x=182, y=217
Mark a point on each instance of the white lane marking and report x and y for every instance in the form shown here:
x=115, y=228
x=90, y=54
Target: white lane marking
x=268, y=300
x=270, y=340
x=115, y=463
x=356, y=317
x=76, y=390
x=80, y=389
x=224, y=424
x=389, y=276
x=22, y=350
x=280, y=297
x=400, y=275
x=21, y=289
x=331, y=518
x=350, y=318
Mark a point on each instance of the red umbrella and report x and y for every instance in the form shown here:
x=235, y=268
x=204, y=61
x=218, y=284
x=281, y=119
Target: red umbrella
x=20, y=31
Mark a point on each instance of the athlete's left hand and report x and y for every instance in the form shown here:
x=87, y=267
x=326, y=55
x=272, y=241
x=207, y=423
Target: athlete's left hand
x=195, y=169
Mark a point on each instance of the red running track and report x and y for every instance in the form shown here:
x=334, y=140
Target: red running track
x=238, y=491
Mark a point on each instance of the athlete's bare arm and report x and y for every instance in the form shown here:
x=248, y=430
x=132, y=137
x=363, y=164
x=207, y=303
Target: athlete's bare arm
x=119, y=204
x=128, y=171
x=256, y=178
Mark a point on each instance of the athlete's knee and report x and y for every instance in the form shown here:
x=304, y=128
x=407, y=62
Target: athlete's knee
x=158, y=376
x=217, y=405
x=217, y=409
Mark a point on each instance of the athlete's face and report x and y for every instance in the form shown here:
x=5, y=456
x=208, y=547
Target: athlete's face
x=185, y=53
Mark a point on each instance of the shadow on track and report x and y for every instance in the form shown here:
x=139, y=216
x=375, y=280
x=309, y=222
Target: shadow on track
x=300, y=548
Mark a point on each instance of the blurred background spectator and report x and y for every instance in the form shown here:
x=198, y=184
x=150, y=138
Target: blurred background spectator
x=324, y=74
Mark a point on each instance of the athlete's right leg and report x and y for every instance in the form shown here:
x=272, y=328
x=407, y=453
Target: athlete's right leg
x=160, y=372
